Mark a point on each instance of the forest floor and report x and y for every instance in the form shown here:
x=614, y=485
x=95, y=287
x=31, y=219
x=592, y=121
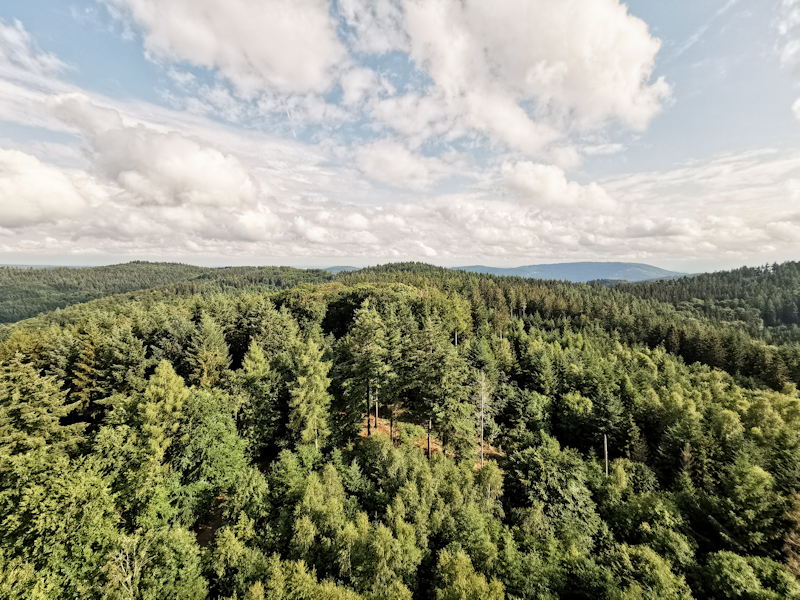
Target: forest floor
x=489, y=452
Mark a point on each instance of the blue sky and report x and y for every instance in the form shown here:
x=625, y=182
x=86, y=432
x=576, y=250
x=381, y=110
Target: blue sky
x=353, y=132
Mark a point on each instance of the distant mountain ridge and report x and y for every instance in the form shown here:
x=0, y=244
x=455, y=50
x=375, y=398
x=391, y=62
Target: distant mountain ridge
x=580, y=272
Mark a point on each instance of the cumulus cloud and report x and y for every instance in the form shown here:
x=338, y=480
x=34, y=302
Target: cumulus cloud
x=157, y=168
x=522, y=73
x=33, y=192
x=585, y=60
x=588, y=55
x=547, y=186
x=390, y=162
x=256, y=45
x=788, y=44
x=526, y=75
x=377, y=25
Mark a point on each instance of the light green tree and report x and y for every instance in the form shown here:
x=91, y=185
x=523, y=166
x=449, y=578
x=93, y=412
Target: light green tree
x=310, y=400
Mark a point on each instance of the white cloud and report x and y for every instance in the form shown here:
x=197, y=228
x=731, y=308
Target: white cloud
x=788, y=45
x=158, y=168
x=585, y=58
x=290, y=45
x=18, y=50
x=547, y=186
x=393, y=163
x=33, y=192
x=377, y=25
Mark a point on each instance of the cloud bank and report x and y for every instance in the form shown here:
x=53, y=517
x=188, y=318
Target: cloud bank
x=468, y=149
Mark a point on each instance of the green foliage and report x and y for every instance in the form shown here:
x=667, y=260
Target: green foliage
x=207, y=440
x=31, y=409
x=310, y=400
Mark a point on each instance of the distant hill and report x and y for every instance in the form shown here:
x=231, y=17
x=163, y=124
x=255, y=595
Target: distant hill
x=583, y=271
x=26, y=292
x=335, y=270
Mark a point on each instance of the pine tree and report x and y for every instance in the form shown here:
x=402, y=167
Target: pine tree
x=31, y=407
x=127, y=361
x=209, y=352
x=366, y=368
x=310, y=400
x=88, y=385
x=161, y=409
x=259, y=416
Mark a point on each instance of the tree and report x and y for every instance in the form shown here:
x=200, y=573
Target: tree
x=209, y=352
x=365, y=366
x=31, y=408
x=259, y=416
x=310, y=400
x=161, y=409
x=457, y=580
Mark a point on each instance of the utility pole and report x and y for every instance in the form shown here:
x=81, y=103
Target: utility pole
x=605, y=446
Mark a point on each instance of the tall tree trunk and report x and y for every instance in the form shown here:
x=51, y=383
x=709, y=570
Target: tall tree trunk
x=429, y=438
x=483, y=395
x=376, y=410
x=369, y=411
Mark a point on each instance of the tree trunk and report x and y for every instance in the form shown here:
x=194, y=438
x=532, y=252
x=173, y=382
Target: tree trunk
x=376, y=410
x=429, y=438
x=369, y=410
x=483, y=394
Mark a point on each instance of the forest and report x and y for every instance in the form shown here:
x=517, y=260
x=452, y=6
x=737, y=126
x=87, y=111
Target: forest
x=403, y=432
x=28, y=292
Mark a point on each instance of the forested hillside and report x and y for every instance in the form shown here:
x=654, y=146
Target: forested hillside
x=764, y=300
x=324, y=442
x=27, y=292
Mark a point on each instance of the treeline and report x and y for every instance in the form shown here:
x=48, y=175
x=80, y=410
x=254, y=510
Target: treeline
x=648, y=321
x=764, y=299
x=28, y=292
x=277, y=446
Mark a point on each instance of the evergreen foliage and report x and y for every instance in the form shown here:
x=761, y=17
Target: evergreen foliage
x=233, y=444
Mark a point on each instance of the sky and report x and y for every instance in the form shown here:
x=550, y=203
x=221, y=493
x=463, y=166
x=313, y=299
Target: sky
x=360, y=132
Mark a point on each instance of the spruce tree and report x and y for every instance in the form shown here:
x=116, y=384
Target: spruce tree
x=31, y=408
x=259, y=415
x=209, y=352
x=310, y=401
x=366, y=368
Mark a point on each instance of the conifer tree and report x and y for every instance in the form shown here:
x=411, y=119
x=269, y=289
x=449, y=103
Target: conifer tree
x=161, y=409
x=366, y=368
x=258, y=416
x=310, y=400
x=87, y=383
x=31, y=407
x=209, y=352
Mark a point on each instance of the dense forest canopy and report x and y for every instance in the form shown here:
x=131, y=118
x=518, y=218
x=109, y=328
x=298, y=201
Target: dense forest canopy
x=401, y=432
x=764, y=299
x=27, y=292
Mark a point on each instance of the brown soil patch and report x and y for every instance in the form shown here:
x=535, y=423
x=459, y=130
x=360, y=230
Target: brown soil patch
x=489, y=452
